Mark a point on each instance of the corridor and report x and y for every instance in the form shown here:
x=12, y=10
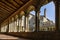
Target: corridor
x=7, y=37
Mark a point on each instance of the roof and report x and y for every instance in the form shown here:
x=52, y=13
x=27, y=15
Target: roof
x=7, y=8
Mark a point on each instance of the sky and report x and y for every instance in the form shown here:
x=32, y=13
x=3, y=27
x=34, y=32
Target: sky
x=50, y=11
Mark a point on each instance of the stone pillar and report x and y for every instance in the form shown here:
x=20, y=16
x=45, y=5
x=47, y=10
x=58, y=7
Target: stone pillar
x=7, y=27
x=37, y=20
x=38, y=14
x=15, y=25
x=27, y=24
x=20, y=24
x=0, y=28
x=57, y=15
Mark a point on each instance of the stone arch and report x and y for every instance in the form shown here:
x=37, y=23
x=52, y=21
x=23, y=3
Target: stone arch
x=22, y=13
x=30, y=8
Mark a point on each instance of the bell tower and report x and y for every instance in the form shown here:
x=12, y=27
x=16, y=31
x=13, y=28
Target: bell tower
x=45, y=12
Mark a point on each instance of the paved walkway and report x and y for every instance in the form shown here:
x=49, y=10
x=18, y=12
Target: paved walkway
x=2, y=36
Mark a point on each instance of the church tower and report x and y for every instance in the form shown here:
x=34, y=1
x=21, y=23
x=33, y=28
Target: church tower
x=45, y=12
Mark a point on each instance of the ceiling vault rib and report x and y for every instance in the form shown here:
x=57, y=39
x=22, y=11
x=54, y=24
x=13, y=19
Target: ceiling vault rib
x=5, y=9
x=5, y=16
x=5, y=6
x=13, y=3
x=8, y=7
x=3, y=13
x=20, y=3
x=1, y=16
x=8, y=4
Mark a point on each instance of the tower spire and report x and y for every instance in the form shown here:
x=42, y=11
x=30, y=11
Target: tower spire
x=45, y=12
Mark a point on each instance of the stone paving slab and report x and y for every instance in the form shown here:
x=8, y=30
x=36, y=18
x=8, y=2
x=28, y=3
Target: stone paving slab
x=3, y=36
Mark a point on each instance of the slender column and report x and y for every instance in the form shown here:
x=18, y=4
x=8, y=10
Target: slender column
x=57, y=15
x=12, y=25
x=38, y=14
x=7, y=27
x=18, y=22
x=15, y=24
x=24, y=23
x=59, y=18
x=0, y=28
x=27, y=24
x=37, y=20
x=21, y=24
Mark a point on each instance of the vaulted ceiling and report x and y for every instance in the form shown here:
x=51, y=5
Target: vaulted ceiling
x=8, y=7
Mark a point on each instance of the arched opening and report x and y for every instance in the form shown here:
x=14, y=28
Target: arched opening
x=11, y=24
x=32, y=21
x=47, y=17
x=4, y=27
x=21, y=22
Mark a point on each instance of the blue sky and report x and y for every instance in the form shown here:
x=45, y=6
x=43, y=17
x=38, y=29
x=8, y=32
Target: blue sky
x=50, y=11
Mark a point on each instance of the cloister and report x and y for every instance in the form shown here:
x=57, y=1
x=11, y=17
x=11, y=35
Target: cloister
x=14, y=19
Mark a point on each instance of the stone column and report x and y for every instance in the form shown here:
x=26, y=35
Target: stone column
x=37, y=20
x=20, y=24
x=27, y=24
x=0, y=28
x=38, y=14
x=57, y=15
x=15, y=25
x=7, y=27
